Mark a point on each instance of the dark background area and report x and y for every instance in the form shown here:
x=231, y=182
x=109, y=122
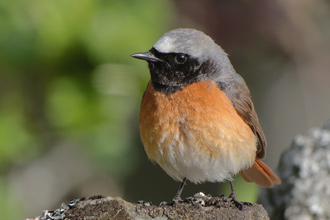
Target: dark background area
x=70, y=92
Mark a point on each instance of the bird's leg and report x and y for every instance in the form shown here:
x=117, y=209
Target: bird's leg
x=177, y=196
x=232, y=195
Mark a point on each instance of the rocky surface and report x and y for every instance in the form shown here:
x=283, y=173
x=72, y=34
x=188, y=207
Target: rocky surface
x=199, y=206
x=305, y=173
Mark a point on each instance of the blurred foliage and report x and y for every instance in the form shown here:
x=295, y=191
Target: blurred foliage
x=65, y=73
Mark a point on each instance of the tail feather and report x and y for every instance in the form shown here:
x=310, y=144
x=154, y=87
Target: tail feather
x=260, y=174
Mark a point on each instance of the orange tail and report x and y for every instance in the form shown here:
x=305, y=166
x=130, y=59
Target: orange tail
x=260, y=174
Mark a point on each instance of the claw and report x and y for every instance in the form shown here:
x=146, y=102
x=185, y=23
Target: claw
x=232, y=196
x=238, y=204
x=163, y=203
x=176, y=200
x=177, y=197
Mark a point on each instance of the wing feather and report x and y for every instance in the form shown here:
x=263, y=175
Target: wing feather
x=237, y=91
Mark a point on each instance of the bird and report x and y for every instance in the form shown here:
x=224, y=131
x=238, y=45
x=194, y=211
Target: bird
x=197, y=119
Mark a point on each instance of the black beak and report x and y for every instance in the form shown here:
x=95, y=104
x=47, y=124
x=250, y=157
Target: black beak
x=148, y=56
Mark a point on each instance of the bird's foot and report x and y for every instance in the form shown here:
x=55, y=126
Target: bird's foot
x=238, y=204
x=175, y=201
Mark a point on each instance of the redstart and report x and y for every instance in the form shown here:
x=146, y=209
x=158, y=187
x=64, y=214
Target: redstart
x=197, y=119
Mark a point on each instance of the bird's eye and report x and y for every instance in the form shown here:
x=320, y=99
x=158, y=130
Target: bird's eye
x=180, y=59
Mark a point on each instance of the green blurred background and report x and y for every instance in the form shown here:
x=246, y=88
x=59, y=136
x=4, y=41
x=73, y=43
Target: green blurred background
x=70, y=93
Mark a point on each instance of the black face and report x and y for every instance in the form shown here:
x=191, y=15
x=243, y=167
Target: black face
x=174, y=71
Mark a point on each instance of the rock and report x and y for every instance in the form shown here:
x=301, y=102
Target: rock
x=305, y=173
x=199, y=206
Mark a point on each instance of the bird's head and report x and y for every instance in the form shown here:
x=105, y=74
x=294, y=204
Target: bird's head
x=184, y=56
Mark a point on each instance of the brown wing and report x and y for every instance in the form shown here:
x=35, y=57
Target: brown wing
x=237, y=91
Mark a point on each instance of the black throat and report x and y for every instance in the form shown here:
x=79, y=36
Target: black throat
x=168, y=90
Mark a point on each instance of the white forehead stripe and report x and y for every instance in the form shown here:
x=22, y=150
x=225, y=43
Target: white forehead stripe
x=188, y=41
x=168, y=44
x=165, y=45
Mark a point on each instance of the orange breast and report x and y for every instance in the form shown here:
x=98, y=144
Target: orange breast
x=197, y=123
